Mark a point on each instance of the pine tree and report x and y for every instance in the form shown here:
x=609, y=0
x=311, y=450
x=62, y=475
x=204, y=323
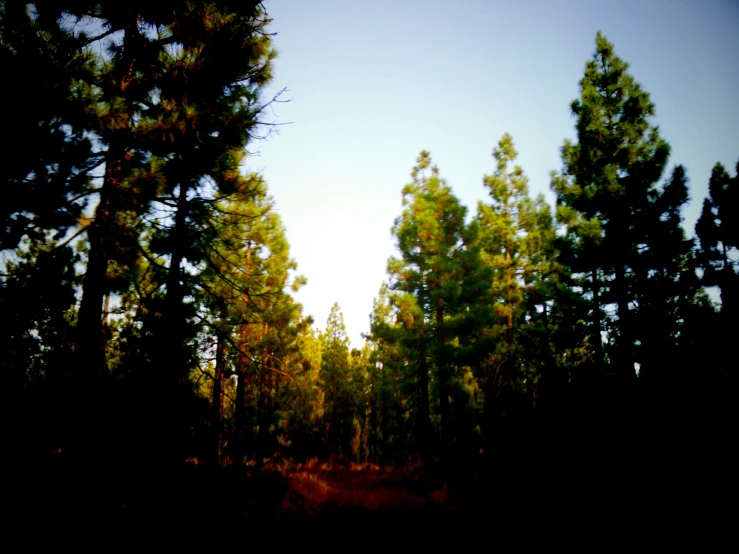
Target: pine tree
x=37, y=299
x=718, y=233
x=426, y=283
x=667, y=300
x=47, y=157
x=231, y=272
x=245, y=284
x=47, y=161
x=603, y=200
x=546, y=282
x=303, y=398
x=169, y=105
x=504, y=224
x=336, y=379
x=150, y=107
x=392, y=386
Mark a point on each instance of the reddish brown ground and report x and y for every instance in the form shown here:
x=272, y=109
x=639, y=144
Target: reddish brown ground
x=319, y=490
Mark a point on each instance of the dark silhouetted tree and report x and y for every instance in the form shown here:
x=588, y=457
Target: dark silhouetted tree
x=603, y=200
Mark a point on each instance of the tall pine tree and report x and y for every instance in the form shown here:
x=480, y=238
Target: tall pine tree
x=603, y=200
x=426, y=282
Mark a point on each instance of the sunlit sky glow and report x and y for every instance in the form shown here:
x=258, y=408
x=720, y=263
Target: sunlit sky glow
x=371, y=84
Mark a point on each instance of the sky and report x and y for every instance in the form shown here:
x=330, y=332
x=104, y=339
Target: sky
x=371, y=84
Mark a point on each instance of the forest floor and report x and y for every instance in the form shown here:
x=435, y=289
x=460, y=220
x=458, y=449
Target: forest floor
x=316, y=488
x=369, y=502
x=293, y=503
x=343, y=505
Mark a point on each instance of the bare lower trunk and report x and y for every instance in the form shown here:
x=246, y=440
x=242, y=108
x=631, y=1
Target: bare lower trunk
x=625, y=362
x=90, y=341
x=264, y=392
x=217, y=397
x=423, y=400
x=444, y=385
x=90, y=338
x=597, y=329
x=174, y=319
x=238, y=451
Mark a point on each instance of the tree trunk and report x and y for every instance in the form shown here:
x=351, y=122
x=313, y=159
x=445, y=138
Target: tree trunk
x=90, y=334
x=217, y=397
x=264, y=392
x=175, y=349
x=597, y=324
x=423, y=400
x=238, y=444
x=444, y=386
x=625, y=363
x=238, y=440
x=90, y=338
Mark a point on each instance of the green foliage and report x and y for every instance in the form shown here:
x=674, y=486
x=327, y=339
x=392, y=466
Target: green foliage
x=146, y=113
x=37, y=302
x=431, y=283
x=171, y=329
x=603, y=200
x=718, y=233
x=718, y=260
x=504, y=226
x=50, y=155
x=391, y=383
x=342, y=381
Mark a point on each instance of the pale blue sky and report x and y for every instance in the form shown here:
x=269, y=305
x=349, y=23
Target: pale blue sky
x=373, y=83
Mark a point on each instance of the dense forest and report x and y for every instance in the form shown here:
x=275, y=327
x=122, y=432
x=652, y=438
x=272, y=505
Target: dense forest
x=524, y=361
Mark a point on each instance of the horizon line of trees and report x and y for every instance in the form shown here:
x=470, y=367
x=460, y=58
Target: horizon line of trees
x=147, y=281
x=597, y=310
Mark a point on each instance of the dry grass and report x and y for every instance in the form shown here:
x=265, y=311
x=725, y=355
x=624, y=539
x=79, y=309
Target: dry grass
x=320, y=487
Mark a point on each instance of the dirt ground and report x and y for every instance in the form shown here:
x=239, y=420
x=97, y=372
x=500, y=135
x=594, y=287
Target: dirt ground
x=338, y=505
